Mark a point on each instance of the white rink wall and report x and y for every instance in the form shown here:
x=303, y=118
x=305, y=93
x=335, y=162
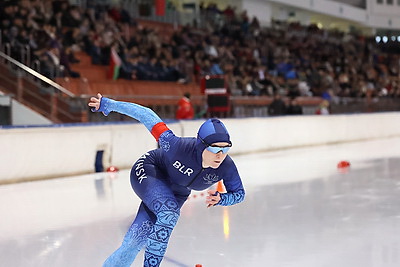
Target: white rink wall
x=46, y=152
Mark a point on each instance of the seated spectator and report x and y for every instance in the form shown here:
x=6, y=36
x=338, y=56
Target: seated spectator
x=215, y=68
x=323, y=108
x=51, y=63
x=66, y=58
x=255, y=88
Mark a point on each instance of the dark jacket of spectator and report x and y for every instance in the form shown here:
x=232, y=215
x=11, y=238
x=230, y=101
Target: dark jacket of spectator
x=277, y=106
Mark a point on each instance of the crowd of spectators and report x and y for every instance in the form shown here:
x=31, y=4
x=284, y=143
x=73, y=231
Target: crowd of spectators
x=297, y=60
x=285, y=58
x=33, y=32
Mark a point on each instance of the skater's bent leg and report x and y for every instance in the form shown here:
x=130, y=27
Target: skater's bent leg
x=135, y=239
x=167, y=213
x=156, y=192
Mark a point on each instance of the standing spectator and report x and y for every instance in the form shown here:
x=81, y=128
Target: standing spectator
x=277, y=106
x=185, y=109
x=294, y=108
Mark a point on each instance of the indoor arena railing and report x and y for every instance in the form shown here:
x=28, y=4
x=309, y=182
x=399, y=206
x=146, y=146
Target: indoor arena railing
x=39, y=93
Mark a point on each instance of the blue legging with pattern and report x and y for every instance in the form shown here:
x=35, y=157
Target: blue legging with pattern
x=156, y=218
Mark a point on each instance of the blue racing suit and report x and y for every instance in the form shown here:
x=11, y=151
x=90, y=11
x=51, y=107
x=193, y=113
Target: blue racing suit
x=163, y=179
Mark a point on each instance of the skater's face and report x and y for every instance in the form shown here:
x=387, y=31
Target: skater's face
x=213, y=160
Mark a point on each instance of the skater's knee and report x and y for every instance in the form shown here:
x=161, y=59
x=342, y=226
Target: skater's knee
x=165, y=203
x=166, y=210
x=167, y=218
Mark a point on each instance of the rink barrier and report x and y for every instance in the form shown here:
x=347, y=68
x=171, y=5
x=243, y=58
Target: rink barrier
x=62, y=150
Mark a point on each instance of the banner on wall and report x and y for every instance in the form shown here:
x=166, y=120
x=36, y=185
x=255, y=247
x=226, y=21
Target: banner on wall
x=160, y=7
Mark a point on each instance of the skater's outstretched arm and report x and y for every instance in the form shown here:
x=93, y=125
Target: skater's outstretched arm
x=143, y=114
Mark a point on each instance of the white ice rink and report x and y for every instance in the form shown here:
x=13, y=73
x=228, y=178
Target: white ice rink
x=299, y=211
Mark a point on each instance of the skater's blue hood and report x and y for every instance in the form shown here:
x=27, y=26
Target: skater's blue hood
x=212, y=131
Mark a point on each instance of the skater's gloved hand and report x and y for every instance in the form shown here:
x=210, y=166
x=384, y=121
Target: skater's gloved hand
x=99, y=104
x=213, y=198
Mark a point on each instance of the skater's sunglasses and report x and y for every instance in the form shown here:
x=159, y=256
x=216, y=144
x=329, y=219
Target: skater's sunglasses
x=216, y=149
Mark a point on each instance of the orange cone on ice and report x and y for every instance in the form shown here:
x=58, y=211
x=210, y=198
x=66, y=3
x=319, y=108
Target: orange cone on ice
x=343, y=166
x=112, y=169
